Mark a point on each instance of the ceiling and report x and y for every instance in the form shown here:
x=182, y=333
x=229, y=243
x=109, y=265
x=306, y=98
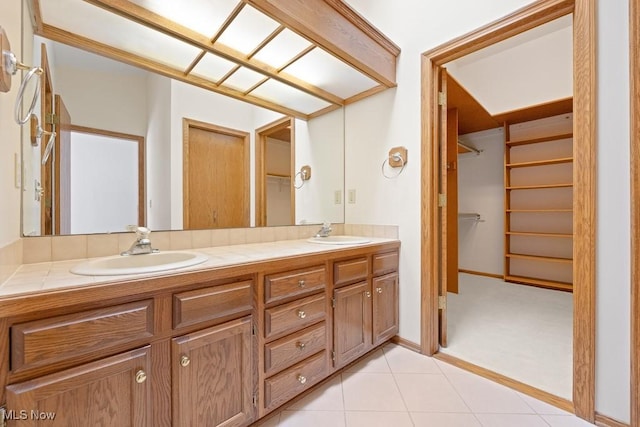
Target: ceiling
x=228, y=46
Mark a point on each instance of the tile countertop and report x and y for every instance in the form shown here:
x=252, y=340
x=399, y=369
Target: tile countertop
x=41, y=277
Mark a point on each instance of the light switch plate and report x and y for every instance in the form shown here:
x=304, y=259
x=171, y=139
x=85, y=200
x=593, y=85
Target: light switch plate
x=17, y=179
x=337, y=197
x=352, y=195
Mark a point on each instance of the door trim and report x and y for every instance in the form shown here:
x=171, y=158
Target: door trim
x=634, y=92
x=261, y=139
x=584, y=102
x=141, y=163
x=187, y=124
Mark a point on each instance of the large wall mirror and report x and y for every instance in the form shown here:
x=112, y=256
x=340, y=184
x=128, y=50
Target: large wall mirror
x=137, y=147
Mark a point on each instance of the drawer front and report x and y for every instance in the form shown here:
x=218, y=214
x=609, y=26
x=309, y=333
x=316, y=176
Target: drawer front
x=214, y=302
x=294, y=316
x=293, y=283
x=385, y=263
x=350, y=271
x=287, y=384
x=282, y=353
x=45, y=341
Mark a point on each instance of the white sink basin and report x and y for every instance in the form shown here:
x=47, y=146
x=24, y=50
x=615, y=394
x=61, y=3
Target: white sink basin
x=137, y=264
x=339, y=240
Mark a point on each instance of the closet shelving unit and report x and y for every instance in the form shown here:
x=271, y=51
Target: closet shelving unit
x=537, y=252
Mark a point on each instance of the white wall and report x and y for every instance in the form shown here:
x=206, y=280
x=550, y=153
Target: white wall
x=481, y=190
x=278, y=161
x=613, y=217
x=393, y=118
x=9, y=134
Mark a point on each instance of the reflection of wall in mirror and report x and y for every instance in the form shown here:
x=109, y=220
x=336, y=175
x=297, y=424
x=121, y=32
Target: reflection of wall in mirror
x=278, y=188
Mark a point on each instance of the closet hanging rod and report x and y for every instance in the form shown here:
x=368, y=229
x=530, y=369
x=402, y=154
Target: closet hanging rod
x=470, y=148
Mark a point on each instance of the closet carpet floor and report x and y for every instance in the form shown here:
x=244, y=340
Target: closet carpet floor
x=396, y=387
x=522, y=332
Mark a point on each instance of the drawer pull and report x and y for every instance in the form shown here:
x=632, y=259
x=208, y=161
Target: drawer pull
x=301, y=283
x=141, y=376
x=184, y=361
x=302, y=314
x=379, y=290
x=367, y=294
x=302, y=379
x=301, y=345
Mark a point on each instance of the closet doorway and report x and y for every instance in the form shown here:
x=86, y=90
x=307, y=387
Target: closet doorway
x=434, y=183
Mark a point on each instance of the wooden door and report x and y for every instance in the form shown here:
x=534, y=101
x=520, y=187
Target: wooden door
x=444, y=218
x=352, y=322
x=62, y=168
x=109, y=392
x=386, y=319
x=212, y=376
x=452, y=200
x=215, y=176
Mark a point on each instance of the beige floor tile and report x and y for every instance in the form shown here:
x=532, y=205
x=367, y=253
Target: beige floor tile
x=312, y=419
x=371, y=392
x=484, y=396
x=432, y=419
x=511, y=420
x=375, y=362
x=326, y=398
x=449, y=369
x=402, y=360
x=429, y=393
x=542, y=408
x=565, y=421
x=378, y=419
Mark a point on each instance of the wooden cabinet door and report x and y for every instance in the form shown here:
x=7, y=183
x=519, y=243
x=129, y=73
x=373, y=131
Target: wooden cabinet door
x=352, y=322
x=110, y=392
x=212, y=373
x=385, y=308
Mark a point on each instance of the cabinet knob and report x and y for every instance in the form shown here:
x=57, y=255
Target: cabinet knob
x=302, y=314
x=184, y=361
x=367, y=294
x=141, y=376
x=301, y=283
x=379, y=290
x=302, y=379
x=301, y=345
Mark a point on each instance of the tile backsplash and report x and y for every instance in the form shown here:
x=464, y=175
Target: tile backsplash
x=62, y=248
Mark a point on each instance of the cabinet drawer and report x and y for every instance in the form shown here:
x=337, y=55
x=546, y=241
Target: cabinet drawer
x=385, y=263
x=287, y=384
x=45, y=341
x=294, y=316
x=293, y=283
x=293, y=348
x=350, y=271
x=214, y=302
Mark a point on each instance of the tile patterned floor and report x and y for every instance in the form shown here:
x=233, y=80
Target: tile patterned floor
x=400, y=388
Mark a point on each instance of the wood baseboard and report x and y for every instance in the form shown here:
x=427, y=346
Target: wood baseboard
x=410, y=345
x=480, y=273
x=551, y=399
x=604, y=421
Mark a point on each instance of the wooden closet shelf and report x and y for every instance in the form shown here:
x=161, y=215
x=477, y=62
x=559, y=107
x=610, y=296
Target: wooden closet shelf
x=538, y=210
x=552, y=284
x=538, y=140
x=534, y=234
x=278, y=175
x=540, y=186
x=540, y=258
x=541, y=163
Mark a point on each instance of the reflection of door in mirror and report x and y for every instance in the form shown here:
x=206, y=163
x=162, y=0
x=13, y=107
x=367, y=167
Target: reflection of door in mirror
x=106, y=181
x=46, y=170
x=215, y=176
x=275, y=160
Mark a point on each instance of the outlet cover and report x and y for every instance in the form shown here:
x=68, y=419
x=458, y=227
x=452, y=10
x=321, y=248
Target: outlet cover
x=337, y=197
x=352, y=195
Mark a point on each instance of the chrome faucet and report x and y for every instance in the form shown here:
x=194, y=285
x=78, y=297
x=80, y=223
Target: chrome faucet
x=142, y=245
x=325, y=230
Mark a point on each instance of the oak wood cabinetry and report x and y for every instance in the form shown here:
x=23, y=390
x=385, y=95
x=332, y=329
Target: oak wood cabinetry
x=217, y=347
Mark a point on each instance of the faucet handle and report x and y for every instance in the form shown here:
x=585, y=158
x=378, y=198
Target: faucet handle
x=142, y=232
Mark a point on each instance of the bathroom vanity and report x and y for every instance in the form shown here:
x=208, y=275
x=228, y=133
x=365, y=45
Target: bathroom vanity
x=222, y=344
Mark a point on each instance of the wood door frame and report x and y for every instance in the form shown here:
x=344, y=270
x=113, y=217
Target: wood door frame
x=46, y=108
x=584, y=106
x=187, y=124
x=142, y=212
x=261, y=140
x=634, y=93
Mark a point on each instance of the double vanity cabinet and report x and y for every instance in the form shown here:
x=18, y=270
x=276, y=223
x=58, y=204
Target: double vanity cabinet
x=221, y=346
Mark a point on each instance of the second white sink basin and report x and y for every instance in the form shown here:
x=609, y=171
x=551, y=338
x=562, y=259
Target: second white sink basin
x=137, y=264
x=339, y=240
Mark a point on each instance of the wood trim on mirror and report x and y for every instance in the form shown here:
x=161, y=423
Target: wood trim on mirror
x=634, y=92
